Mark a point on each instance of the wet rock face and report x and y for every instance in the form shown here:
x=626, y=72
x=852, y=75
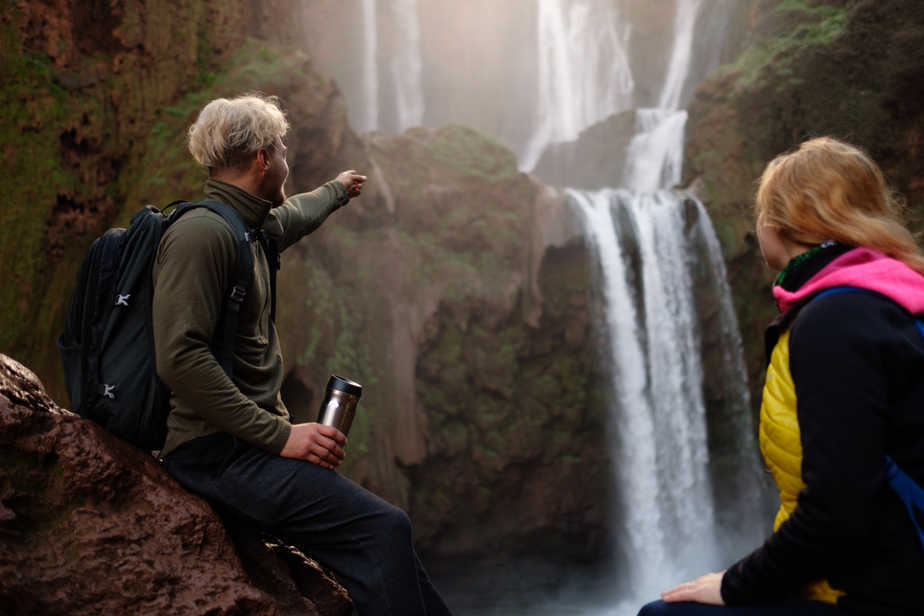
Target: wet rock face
x=92, y=525
x=517, y=454
x=596, y=159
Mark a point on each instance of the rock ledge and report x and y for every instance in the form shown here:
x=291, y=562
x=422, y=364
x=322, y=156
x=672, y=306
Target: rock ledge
x=90, y=525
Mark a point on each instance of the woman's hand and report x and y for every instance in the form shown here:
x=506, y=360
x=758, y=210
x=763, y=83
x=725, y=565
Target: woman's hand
x=705, y=589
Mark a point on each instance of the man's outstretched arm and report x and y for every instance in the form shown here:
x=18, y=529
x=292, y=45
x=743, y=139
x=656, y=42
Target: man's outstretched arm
x=301, y=214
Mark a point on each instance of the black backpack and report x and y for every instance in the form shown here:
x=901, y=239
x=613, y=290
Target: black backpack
x=107, y=347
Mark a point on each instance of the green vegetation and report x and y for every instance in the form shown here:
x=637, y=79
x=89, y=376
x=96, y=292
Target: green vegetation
x=32, y=106
x=71, y=149
x=473, y=154
x=166, y=171
x=811, y=24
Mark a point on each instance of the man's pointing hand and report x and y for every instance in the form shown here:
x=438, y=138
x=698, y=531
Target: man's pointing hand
x=352, y=181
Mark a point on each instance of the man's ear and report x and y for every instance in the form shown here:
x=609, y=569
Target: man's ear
x=263, y=157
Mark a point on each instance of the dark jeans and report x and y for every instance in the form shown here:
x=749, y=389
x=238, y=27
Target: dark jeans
x=783, y=608
x=364, y=540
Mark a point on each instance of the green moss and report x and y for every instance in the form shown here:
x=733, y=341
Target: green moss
x=166, y=170
x=813, y=25
x=32, y=106
x=472, y=153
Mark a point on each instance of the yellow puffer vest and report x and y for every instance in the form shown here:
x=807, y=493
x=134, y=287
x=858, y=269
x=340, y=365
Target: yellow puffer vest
x=782, y=448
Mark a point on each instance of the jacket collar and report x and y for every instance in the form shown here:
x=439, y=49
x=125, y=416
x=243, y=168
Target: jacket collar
x=253, y=209
x=862, y=268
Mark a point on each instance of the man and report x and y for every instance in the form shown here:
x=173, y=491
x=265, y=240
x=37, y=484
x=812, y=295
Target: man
x=230, y=439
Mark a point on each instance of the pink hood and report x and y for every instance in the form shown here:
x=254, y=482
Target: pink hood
x=865, y=269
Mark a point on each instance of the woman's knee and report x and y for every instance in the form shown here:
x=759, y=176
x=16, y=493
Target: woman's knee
x=652, y=609
x=661, y=608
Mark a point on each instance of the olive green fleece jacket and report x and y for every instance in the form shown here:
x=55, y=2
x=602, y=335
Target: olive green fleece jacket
x=192, y=274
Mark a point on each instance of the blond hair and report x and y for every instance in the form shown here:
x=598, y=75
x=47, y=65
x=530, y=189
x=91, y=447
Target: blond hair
x=228, y=131
x=830, y=190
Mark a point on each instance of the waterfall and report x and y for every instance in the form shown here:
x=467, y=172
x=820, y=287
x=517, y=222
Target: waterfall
x=655, y=155
x=679, y=66
x=584, y=74
x=647, y=241
x=394, y=101
x=370, y=67
x=658, y=411
x=406, y=66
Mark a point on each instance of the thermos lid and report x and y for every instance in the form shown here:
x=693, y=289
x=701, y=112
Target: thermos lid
x=345, y=385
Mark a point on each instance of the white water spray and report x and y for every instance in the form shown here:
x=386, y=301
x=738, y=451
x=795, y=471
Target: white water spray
x=679, y=66
x=406, y=66
x=584, y=73
x=655, y=155
x=658, y=411
x=645, y=238
x=370, y=67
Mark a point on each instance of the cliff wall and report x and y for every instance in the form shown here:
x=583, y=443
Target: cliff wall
x=87, y=90
x=851, y=69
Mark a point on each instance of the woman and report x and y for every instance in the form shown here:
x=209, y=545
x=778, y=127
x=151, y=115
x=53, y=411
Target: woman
x=844, y=390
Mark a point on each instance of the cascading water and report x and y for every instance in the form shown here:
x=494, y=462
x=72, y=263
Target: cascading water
x=392, y=101
x=370, y=68
x=645, y=243
x=655, y=154
x=584, y=73
x=658, y=411
x=679, y=65
x=406, y=66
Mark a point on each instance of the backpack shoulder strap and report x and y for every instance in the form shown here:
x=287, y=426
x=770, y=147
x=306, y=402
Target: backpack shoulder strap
x=241, y=279
x=274, y=259
x=908, y=491
x=845, y=289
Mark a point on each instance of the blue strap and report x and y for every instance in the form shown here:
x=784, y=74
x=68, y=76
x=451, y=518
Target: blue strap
x=911, y=493
x=904, y=486
x=835, y=290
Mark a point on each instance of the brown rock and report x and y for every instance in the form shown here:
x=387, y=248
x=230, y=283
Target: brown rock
x=594, y=160
x=91, y=525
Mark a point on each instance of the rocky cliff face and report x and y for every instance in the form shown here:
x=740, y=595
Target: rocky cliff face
x=92, y=525
x=847, y=68
x=89, y=89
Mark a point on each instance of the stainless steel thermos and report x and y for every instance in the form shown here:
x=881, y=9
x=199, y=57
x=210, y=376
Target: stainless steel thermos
x=339, y=403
